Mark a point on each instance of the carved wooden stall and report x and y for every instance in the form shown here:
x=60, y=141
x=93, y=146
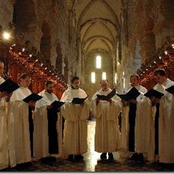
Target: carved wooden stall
x=19, y=59
x=163, y=58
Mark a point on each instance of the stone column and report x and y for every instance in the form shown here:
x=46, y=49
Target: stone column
x=79, y=67
x=34, y=34
x=147, y=41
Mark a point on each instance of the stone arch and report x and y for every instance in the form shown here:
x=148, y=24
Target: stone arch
x=45, y=45
x=23, y=14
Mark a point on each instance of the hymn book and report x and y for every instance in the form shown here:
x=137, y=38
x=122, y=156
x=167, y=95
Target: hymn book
x=132, y=94
x=170, y=89
x=153, y=93
x=106, y=97
x=32, y=97
x=57, y=104
x=79, y=100
x=8, y=86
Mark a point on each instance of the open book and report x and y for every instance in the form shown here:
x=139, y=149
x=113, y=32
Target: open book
x=132, y=94
x=32, y=97
x=79, y=100
x=170, y=89
x=57, y=104
x=8, y=86
x=106, y=97
x=153, y=93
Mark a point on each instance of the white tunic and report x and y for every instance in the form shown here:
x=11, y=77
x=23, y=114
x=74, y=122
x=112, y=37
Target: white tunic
x=41, y=147
x=142, y=123
x=19, y=111
x=75, y=127
x=107, y=128
x=3, y=133
x=166, y=122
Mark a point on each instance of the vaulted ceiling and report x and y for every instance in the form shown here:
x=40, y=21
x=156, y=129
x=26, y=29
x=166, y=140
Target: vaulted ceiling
x=98, y=23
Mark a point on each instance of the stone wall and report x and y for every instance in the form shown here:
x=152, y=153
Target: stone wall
x=148, y=22
x=46, y=24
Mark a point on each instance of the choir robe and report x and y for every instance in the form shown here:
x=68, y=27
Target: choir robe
x=75, y=126
x=143, y=124
x=107, y=128
x=19, y=110
x=140, y=138
x=41, y=136
x=165, y=125
x=3, y=133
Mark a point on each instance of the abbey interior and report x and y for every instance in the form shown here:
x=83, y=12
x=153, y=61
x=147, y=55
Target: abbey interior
x=92, y=39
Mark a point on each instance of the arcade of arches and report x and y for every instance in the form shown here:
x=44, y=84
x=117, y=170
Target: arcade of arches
x=56, y=39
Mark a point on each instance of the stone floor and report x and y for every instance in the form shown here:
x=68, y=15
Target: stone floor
x=92, y=162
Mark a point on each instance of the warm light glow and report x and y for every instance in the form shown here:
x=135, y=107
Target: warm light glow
x=93, y=77
x=118, y=63
x=115, y=78
x=6, y=35
x=98, y=62
x=104, y=75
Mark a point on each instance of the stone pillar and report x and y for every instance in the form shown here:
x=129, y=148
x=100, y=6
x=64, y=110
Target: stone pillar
x=34, y=34
x=79, y=67
x=83, y=69
x=147, y=41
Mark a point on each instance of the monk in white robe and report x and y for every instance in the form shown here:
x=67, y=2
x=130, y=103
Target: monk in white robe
x=135, y=129
x=107, y=128
x=75, y=127
x=163, y=136
x=45, y=139
x=20, y=111
x=4, y=160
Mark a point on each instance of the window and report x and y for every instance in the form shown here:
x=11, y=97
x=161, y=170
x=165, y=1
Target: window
x=104, y=76
x=93, y=77
x=98, y=62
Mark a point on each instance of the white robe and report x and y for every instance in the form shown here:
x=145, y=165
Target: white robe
x=3, y=133
x=19, y=111
x=41, y=145
x=75, y=127
x=142, y=123
x=107, y=128
x=166, y=122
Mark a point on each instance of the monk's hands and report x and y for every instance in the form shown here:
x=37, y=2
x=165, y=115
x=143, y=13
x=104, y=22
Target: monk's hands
x=124, y=102
x=49, y=106
x=97, y=101
x=154, y=100
x=109, y=100
x=32, y=103
x=6, y=95
x=132, y=101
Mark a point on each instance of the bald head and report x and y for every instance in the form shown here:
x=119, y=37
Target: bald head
x=104, y=85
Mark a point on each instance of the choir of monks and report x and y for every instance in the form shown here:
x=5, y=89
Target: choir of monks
x=37, y=130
